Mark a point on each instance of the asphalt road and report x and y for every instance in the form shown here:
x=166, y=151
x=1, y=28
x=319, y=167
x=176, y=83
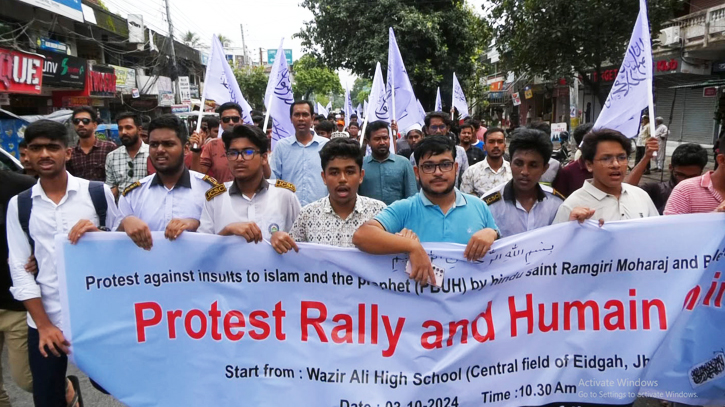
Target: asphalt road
x=91, y=396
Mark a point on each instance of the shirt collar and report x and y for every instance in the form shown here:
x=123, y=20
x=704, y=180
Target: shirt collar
x=327, y=205
x=233, y=190
x=369, y=158
x=487, y=165
x=706, y=180
x=509, y=194
x=460, y=199
x=597, y=193
x=73, y=184
x=315, y=139
x=184, y=181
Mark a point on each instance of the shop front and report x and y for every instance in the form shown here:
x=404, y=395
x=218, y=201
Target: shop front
x=99, y=90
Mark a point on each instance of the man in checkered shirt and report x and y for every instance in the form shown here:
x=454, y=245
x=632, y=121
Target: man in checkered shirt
x=88, y=158
x=127, y=164
x=333, y=219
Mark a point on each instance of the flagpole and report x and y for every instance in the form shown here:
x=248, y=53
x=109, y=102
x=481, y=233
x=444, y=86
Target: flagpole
x=198, y=121
x=266, y=116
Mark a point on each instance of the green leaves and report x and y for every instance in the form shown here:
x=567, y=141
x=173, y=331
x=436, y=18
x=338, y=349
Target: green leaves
x=312, y=76
x=435, y=39
x=253, y=84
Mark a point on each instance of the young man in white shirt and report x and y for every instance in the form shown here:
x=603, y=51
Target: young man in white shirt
x=606, y=197
x=61, y=203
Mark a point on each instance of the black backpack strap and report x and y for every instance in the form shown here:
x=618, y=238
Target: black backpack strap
x=25, y=206
x=98, y=196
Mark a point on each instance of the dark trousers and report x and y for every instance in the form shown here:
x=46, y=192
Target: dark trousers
x=639, y=155
x=48, y=374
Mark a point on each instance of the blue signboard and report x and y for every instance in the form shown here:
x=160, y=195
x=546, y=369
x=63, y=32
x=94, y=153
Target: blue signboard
x=66, y=8
x=271, y=53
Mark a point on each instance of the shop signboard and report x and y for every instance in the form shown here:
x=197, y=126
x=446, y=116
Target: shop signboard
x=20, y=72
x=64, y=71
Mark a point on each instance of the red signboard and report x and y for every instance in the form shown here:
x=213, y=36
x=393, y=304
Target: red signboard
x=101, y=81
x=20, y=72
x=709, y=92
x=662, y=66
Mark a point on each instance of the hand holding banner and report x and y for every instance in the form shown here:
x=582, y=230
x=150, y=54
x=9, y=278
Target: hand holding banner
x=531, y=323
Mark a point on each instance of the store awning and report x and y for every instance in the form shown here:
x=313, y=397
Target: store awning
x=705, y=84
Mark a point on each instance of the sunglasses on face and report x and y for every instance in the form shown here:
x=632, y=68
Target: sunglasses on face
x=78, y=121
x=233, y=119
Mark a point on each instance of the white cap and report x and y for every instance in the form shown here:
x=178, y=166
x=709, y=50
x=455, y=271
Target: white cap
x=414, y=126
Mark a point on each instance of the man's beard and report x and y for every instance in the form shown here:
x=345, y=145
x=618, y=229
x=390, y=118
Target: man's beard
x=430, y=192
x=131, y=140
x=171, y=169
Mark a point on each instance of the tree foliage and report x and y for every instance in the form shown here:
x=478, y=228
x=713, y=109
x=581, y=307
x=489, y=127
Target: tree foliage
x=311, y=76
x=253, y=84
x=552, y=38
x=191, y=39
x=224, y=40
x=436, y=39
x=360, y=90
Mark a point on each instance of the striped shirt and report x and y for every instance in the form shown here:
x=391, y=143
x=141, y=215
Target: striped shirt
x=694, y=195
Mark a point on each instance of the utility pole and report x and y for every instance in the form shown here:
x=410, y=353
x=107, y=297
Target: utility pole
x=173, y=53
x=260, y=57
x=244, y=47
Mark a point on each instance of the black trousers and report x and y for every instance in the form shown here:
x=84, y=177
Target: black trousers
x=48, y=374
x=639, y=155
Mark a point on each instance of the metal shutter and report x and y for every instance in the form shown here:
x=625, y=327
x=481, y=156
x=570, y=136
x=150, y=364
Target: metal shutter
x=692, y=119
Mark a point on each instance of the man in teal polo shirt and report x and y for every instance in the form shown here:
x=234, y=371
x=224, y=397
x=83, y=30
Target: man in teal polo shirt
x=440, y=213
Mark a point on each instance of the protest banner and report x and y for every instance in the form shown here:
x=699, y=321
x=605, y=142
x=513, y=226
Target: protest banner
x=568, y=313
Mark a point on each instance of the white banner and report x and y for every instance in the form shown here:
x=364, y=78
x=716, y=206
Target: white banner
x=569, y=313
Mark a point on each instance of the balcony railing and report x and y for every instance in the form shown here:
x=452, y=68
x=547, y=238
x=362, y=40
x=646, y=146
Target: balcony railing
x=700, y=28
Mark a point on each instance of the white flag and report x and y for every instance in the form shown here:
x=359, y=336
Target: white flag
x=364, y=111
x=348, y=106
x=358, y=110
x=405, y=109
x=322, y=110
x=421, y=113
x=221, y=85
x=278, y=98
x=459, y=99
x=329, y=106
x=378, y=107
x=632, y=90
x=439, y=103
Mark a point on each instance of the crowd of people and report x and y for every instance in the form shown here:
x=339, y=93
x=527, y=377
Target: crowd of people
x=381, y=194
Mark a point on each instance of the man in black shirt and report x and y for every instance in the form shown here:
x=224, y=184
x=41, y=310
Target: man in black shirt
x=467, y=137
x=688, y=161
x=13, y=325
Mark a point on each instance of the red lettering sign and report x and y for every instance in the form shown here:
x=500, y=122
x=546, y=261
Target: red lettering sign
x=103, y=81
x=20, y=72
x=666, y=66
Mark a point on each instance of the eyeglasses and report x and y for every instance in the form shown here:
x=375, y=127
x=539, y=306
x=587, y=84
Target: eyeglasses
x=130, y=168
x=430, y=168
x=246, y=154
x=233, y=119
x=610, y=159
x=84, y=120
x=439, y=127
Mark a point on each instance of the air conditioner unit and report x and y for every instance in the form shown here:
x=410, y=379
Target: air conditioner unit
x=670, y=36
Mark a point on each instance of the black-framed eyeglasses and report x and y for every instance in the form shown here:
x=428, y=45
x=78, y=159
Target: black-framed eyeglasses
x=84, y=120
x=430, y=168
x=233, y=119
x=246, y=154
x=130, y=168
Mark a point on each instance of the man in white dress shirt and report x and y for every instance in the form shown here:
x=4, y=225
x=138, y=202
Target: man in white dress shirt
x=58, y=203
